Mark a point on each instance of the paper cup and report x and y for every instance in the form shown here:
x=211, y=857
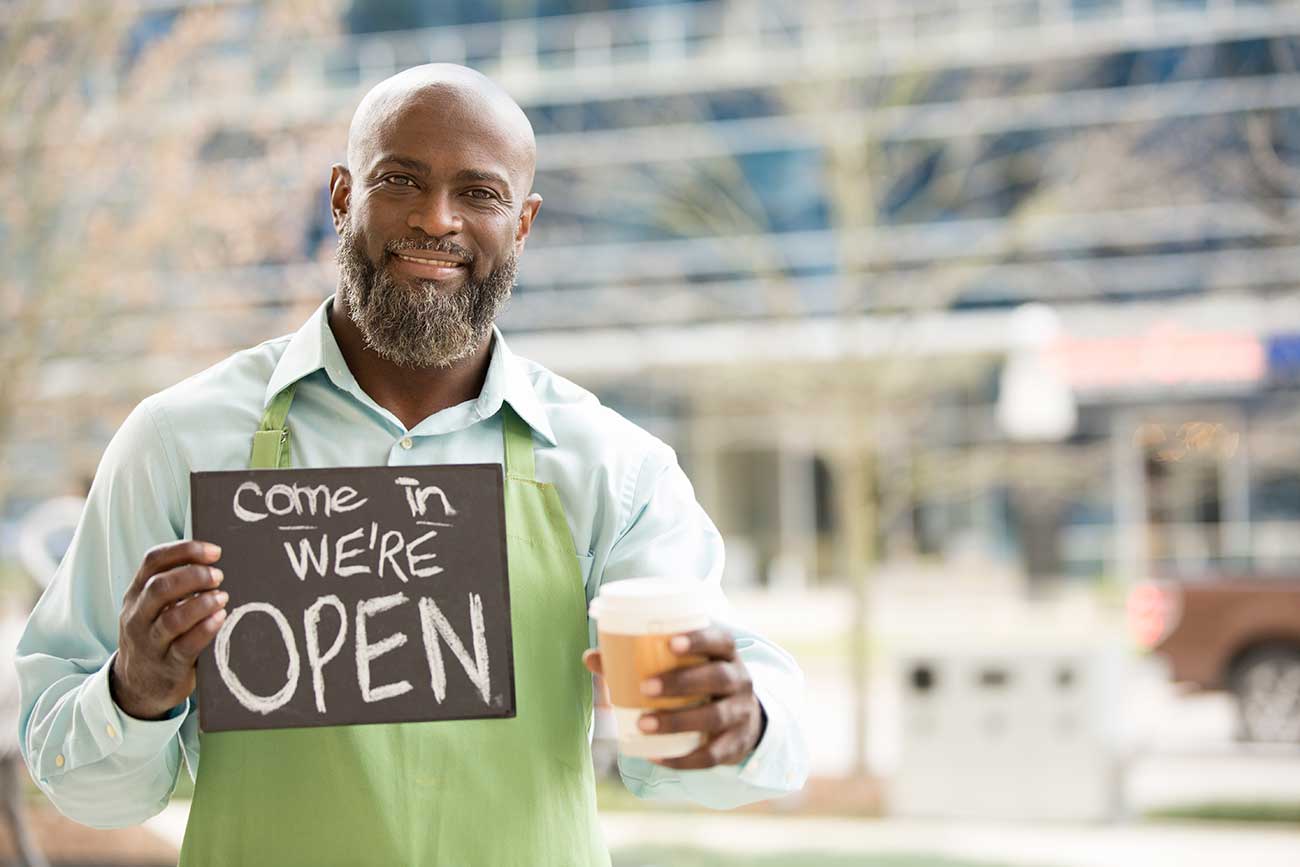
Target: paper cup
x=635, y=619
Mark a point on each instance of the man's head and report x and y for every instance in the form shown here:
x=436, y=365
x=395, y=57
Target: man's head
x=432, y=210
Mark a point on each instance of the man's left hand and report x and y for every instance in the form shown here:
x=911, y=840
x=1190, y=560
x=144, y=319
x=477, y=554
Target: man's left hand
x=732, y=720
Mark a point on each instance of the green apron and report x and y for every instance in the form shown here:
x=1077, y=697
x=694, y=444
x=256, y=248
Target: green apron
x=496, y=792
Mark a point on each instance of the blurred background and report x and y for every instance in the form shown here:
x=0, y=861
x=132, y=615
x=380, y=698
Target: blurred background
x=975, y=323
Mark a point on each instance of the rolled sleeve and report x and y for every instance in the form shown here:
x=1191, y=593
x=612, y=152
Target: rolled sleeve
x=101, y=729
x=769, y=766
x=125, y=734
x=97, y=764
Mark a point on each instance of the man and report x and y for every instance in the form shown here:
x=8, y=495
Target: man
x=403, y=366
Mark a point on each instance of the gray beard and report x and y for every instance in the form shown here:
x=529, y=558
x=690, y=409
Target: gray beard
x=419, y=326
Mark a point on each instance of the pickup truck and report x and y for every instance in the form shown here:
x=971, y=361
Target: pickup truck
x=1235, y=634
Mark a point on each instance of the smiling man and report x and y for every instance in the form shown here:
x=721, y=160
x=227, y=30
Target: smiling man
x=403, y=366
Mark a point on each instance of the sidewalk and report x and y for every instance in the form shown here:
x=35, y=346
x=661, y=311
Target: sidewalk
x=1023, y=845
x=65, y=842
x=1139, y=845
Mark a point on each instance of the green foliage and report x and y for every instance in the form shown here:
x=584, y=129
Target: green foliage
x=677, y=857
x=1216, y=811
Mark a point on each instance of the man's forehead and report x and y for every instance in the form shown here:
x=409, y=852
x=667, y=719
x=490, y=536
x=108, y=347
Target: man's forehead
x=436, y=120
x=427, y=131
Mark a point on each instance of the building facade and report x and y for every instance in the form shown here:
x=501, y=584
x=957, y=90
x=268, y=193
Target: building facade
x=790, y=238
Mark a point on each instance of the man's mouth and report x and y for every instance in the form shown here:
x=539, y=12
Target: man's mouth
x=431, y=266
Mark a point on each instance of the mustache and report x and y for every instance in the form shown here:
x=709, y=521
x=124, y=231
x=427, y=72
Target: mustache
x=449, y=247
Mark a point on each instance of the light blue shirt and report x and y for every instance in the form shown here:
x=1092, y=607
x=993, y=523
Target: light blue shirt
x=630, y=507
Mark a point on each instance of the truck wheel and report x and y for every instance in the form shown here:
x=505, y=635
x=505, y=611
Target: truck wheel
x=1266, y=683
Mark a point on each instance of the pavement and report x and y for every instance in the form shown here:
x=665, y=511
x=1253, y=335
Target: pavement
x=1039, y=845
x=1148, y=844
x=65, y=842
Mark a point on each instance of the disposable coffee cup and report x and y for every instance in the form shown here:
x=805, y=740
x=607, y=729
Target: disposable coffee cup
x=635, y=619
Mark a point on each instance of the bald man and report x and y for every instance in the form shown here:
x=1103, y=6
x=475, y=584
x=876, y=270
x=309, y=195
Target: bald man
x=402, y=366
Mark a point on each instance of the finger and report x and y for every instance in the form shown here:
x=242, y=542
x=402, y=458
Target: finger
x=182, y=616
x=711, y=678
x=173, y=585
x=713, y=642
x=725, y=749
x=161, y=558
x=186, y=649
x=711, y=718
x=591, y=659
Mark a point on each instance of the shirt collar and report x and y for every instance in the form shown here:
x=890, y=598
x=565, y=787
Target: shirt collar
x=304, y=355
x=508, y=382
x=313, y=346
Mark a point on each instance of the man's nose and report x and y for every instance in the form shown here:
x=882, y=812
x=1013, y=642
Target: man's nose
x=436, y=215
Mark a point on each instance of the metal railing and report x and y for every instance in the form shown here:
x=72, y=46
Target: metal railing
x=737, y=35
x=884, y=247
x=690, y=47
x=1190, y=549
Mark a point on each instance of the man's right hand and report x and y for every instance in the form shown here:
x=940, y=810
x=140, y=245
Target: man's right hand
x=172, y=611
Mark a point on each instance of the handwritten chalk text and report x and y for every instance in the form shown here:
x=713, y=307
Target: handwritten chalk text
x=435, y=630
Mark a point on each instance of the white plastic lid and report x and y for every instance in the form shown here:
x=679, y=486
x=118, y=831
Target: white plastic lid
x=642, y=602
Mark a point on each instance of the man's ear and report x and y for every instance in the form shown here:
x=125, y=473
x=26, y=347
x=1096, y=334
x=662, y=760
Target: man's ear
x=527, y=214
x=340, y=195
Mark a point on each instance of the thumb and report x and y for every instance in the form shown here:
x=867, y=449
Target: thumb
x=591, y=659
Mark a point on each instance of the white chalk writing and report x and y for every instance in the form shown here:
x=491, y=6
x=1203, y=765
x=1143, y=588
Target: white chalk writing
x=257, y=703
x=433, y=623
x=367, y=652
x=282, y=499
x=418, y=498
x=315, y=659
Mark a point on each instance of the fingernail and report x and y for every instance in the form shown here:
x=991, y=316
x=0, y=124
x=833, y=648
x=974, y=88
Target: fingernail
x=213, y=551
x=222, y=597
x=653, y=686
x=217, y=575
x=648, y=724
x=680, y=644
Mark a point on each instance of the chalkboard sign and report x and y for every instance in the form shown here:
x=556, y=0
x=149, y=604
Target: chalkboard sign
x=357, y=595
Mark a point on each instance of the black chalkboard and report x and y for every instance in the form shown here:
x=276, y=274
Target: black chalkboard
x=400, y=573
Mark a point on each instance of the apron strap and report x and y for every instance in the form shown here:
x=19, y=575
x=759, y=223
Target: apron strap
x=271, y=442
x=519, y=445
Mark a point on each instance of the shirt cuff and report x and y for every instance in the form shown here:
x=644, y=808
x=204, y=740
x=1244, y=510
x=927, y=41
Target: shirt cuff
x=116, y=731
x=768, y=766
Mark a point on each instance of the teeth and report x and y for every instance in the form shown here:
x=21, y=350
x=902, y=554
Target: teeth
x=426, y=261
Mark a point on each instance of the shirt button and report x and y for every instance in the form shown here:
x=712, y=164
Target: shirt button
x=406, y=442
x=112, y=732
x=58, y=760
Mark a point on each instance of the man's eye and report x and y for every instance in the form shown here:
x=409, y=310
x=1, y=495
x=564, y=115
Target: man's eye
x=399, y=180
x=482, y=194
